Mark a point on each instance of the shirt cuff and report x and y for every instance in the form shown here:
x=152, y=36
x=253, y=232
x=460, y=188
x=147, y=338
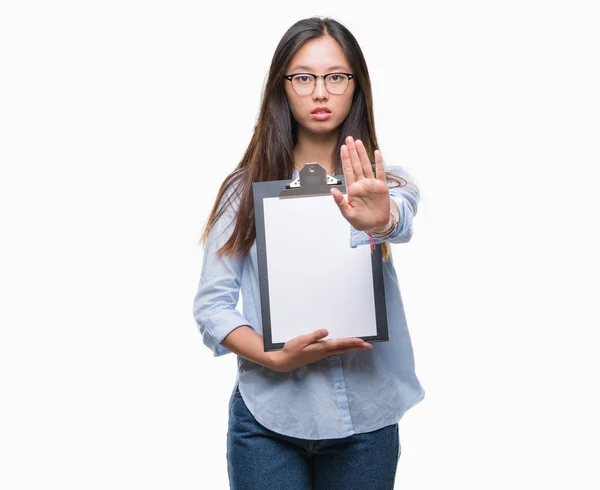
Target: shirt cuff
x=218, y=326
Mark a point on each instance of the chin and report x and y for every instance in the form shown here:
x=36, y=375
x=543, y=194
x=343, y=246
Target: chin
x=321, y=130
x=321, y=126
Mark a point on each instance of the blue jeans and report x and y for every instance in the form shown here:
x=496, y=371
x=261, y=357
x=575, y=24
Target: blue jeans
x=260, y=459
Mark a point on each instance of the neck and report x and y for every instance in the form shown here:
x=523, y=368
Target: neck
x=315, y=147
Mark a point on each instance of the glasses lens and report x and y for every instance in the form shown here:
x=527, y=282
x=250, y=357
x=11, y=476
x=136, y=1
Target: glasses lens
x=337, y=83
x=303, y=84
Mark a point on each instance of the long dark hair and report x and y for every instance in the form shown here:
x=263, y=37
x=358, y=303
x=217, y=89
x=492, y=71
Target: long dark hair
x=269, y=155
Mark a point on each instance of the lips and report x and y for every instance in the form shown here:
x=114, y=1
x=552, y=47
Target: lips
x=322, y=110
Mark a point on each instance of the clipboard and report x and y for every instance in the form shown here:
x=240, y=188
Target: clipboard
x=309, y=275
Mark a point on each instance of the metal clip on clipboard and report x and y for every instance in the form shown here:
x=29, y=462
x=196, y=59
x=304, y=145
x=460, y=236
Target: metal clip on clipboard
x=312, y=181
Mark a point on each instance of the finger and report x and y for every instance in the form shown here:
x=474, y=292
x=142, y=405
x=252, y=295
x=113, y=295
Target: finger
x=337, y=344
x=340, y=200
x=347, y=165
x=354, y=158
x=343, y=351
x=364, y=159
x=315, y=336
x=327, y=346
x=379, y=169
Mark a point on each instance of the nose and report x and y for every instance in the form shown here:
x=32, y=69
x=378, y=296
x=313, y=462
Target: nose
x=320, y=91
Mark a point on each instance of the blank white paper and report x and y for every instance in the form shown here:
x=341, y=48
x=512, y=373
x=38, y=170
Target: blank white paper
x=316, y=279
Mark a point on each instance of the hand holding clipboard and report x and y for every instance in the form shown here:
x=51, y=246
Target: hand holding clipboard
x=309, y=348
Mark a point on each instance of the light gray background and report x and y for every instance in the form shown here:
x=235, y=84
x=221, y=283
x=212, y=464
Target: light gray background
x=120, y=119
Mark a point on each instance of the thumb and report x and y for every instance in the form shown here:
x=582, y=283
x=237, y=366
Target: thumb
x=339, y=199
x=316, y=335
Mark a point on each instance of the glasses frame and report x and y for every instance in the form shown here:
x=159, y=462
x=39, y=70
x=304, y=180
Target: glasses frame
x=349, y=75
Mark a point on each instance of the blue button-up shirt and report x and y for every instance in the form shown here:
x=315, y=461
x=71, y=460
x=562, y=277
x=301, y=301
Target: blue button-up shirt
x=340, y=395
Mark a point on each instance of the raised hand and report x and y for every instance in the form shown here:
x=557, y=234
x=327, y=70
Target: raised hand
x=368, y=204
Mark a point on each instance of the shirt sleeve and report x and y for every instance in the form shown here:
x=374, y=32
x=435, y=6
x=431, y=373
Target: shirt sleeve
x=407, y=198
x=218, y=291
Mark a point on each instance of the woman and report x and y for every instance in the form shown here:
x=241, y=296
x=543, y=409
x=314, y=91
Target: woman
x=319, y=414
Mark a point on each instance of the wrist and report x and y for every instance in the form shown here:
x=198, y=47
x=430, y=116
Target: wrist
x=271, y=360
x=386, y=228
x=392, y=225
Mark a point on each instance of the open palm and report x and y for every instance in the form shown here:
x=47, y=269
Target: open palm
x=368, y=205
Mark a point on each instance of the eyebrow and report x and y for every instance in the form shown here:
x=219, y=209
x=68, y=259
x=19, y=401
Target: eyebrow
x=304, y=67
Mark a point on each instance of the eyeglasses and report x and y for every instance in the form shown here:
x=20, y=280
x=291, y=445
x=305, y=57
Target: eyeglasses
x=305, y=83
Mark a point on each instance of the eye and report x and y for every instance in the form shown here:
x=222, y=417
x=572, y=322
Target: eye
x=336, y=78
x=303, y=78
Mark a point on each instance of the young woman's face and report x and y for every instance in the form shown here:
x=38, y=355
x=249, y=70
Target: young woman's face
x=319, y=56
